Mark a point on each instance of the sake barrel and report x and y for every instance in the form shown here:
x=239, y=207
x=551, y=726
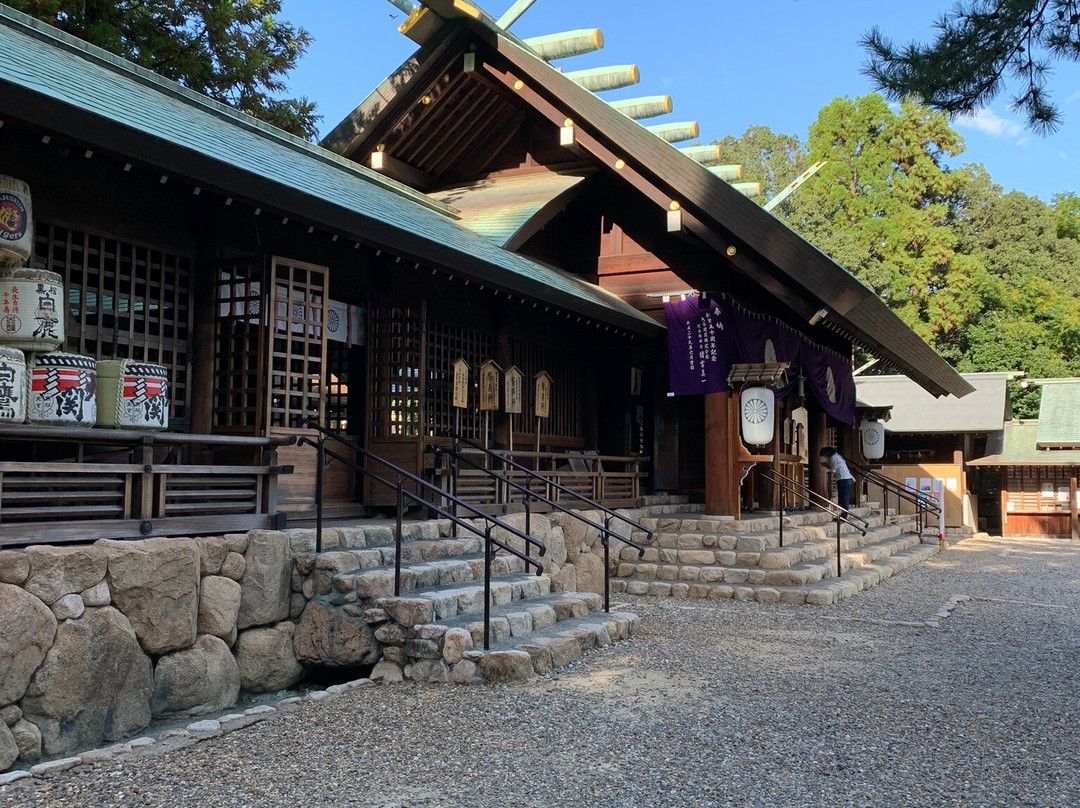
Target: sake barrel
x=12, y=385
x=31, y=309
x=16, y=222
x=132, y=394
x=63, y=389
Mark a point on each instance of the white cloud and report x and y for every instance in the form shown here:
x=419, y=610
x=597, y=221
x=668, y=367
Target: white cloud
x=989, y=123
x=1062, y=154
x=1022, y=143
x=1073, y=98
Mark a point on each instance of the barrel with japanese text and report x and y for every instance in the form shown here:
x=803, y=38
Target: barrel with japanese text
x=63, y=389
x=16, y=222
x=31, y=309
x=132, y=394
x=12, y=386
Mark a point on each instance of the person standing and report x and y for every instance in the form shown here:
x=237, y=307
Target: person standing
x=839, y=470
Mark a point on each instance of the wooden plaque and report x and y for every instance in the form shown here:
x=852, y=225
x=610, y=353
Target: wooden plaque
x=543, y=394
x=512, y=398
x=489, y=386
x=461, y=384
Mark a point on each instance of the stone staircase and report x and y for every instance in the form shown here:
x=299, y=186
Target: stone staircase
x=696, y=556
x=433, y=630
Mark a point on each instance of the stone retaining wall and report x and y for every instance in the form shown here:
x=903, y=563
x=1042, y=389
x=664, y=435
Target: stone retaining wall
x=99, y=639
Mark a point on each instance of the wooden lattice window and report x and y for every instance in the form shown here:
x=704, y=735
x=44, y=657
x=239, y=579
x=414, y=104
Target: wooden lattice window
x=446, y=344
x=297, y=346
x=337, y=387
x=239, y=358
x=565, y=420
x=395, y=371
x=124, y=301
x=1038, y=488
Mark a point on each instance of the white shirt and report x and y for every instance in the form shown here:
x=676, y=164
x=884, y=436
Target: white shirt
x=839, y=468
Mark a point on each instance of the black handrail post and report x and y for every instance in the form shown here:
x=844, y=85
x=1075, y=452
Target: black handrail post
x=885, y=505
x=526, y=500
x=320, y=462
x=839, y=569
x=607, y=564
x=782, y=496
x=487, y=589
x=454, y=474
x=397, y=538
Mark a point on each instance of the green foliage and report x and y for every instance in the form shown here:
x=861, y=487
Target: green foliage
x=772, y=159
x=978, y=43
x=234, y=51
x=991, y=280
x=1067, y=213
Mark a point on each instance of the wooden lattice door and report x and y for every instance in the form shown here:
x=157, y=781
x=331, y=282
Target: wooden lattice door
x=240, y=349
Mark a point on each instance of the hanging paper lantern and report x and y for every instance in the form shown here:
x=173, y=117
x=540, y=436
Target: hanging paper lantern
x=757, y=405
x=873, y=439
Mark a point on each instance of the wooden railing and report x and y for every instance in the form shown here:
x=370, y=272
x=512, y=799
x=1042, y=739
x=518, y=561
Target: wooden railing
x=94, y=484
x=612, y=480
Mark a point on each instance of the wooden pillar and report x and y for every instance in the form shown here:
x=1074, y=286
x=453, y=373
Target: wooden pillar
x=719, y=456
x=203, y=302
x=1074, y=527
x=819, y=480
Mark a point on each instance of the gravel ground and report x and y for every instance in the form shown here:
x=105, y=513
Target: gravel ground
x=712, y=704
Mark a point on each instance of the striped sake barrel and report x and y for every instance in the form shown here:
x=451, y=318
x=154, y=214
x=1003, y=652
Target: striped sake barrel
x=16, y=222
x=132, y=395
x=12, y=385
x=63, y=389
x=31, y=309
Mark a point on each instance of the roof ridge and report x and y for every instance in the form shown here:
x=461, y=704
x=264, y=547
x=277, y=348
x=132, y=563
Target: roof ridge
x=38, y=29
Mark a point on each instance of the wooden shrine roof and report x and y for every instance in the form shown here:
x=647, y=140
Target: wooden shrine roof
x=744, y=237
x=508, y=210
x=63, y=85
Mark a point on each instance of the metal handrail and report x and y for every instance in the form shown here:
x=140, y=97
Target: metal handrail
x=490, y=542
x=532, y=475
x=815, y=500
x=606, y=533
x=924, y=506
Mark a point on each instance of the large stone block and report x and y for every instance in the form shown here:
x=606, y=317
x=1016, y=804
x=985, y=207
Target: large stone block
x=327, y=635
x=409, y=611
x=14, y=567
x=267, y=659
x=507, y=666
x=28, y=631
x=212, y=552
x=265, y=591
x=201, y=679
x=219, y=604
x=28, y=738
x=233, y=566
x=105, y=696
x=59, y=571
x=9, y=750
x=456, y=642
x=155, y=583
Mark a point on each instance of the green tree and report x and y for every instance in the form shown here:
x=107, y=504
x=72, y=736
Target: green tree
x=883, y=207
x=978, y=44
x=1067, y=212
x=234, y=51
x=767, y=157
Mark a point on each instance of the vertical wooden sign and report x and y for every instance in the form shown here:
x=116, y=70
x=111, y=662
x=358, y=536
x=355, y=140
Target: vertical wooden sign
x=513, y=383
x=543, y=394
x=461, y=384
x=489, y=386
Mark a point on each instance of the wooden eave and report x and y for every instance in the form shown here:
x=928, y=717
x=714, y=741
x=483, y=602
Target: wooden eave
x=797, y=273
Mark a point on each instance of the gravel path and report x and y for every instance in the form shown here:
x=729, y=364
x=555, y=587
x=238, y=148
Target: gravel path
x=712, y=704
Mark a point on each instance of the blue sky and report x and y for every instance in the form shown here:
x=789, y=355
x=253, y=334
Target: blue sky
x=726, y=65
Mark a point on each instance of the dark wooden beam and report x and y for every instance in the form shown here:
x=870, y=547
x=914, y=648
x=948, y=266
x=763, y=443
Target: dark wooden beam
x=401, y=171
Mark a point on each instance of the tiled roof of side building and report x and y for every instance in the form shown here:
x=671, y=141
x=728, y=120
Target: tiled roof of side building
x=916, y=411
x=62, y=84
x=1059, y=414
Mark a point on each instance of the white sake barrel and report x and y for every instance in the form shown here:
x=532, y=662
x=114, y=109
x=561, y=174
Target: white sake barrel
x=31, y=309
x=63, y=389
x=16, y=222
x=12, y=385
x=132, y=394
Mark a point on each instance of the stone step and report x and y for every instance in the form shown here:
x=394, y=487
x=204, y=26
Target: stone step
x=439, y=603
x=861, y=571
x=819, y=563
x=693, y=534
x=752, y=551
x=522, y=617
x=375, y=581
x=752, y=524
x=548, y=649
